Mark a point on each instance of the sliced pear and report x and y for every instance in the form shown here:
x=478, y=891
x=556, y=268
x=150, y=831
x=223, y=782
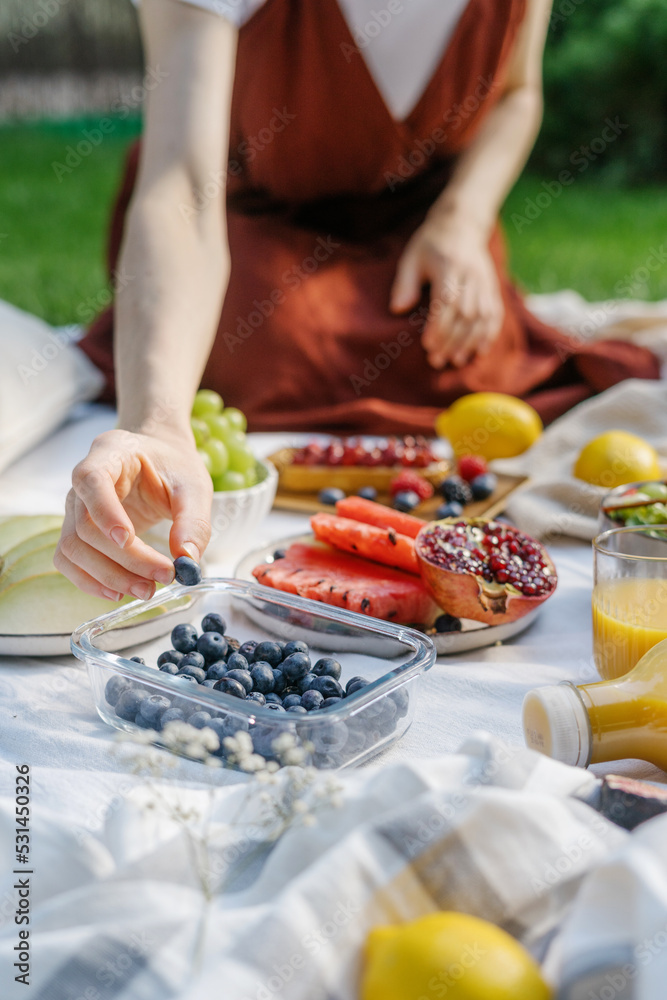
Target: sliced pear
x=48, y=604
x=30, y=544
x=17, y=529
x=31, y=564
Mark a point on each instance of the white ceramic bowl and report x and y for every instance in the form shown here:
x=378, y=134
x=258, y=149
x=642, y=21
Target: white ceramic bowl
x=236, y=514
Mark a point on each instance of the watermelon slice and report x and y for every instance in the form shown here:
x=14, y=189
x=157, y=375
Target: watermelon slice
x=370, y=512
x=323, y=574
x=383, y=545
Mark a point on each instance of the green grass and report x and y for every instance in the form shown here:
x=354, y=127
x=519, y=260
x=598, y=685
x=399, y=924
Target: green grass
x=53, y=232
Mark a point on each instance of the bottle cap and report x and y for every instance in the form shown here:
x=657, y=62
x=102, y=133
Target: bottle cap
x=556, y=723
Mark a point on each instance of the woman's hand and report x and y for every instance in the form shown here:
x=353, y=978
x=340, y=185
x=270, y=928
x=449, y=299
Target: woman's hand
x=465, y=310
x=127, y=483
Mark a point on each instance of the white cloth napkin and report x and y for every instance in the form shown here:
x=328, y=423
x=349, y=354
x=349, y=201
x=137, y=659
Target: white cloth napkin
x=492, y=830
x=554, y=502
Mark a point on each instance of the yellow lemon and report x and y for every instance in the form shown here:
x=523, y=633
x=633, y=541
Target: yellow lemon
x=451, y=955
x=490, y=424
x=615, y=458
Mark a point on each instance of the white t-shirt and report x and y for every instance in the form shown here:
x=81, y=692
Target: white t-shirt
x=402, y=41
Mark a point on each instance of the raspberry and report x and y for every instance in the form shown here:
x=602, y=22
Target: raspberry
x=471, y=466
x=407, y=481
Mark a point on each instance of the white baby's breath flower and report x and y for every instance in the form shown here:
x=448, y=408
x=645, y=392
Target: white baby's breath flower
x=299, y=806
x=252, y=762
x=283, y=743
x=308, y=820
x=141, y=736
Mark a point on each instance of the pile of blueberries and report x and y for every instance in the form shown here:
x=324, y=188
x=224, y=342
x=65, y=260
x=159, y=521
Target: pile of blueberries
x=278, y=676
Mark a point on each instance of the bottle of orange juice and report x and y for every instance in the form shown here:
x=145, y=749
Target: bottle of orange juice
x=609, y=720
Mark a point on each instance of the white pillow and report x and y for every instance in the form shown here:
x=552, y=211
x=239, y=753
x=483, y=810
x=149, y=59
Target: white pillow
x=43, y=374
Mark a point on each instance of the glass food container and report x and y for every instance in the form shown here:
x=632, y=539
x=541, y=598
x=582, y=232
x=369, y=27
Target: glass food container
x=630, y=505
x=391, y=658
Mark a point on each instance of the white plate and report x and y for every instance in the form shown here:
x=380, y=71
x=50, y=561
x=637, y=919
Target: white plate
x=473, y=635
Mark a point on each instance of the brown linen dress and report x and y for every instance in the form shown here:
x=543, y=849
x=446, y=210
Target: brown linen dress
x=324, y=189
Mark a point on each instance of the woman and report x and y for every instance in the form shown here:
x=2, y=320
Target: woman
x=369, y=150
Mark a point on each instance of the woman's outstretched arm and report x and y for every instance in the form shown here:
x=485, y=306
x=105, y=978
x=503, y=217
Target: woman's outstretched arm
x=175, y=264
x=450, y=250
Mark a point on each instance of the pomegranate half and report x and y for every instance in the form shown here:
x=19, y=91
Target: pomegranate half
x=484, y=570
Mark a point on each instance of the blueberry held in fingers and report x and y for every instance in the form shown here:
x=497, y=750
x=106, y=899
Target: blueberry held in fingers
x=187, y=571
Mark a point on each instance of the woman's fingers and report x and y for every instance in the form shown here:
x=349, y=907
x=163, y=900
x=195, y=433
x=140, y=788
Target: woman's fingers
x=407, y=286
x=138, y=559
x=111, y=578
x=94, y=481
x=191, y=512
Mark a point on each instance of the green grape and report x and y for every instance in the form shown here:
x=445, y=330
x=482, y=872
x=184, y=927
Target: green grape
x=251, y=478
x=206, y=401
x=229, y=481
x=200, y=431
x=236, y=439
x=206, y=459
x=218, y=455
x=236, y=418
x=217, y=425
x=240, y=459
x=655, y=514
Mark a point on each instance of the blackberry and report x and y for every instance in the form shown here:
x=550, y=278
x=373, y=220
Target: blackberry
x=456, y=489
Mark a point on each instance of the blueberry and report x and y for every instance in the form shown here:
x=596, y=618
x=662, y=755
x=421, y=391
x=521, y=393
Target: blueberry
x=216, y=671
x=129, y=703
x=271, y=652
x=331, y=702
x=242, y=676
x=447, y=623
x=233, y=645
x=327, y=761
x=169, y=668
x=305, y=683
x=279, y=682
x=279, y=554
x=187, y=571
x=237, y=661
x=192, y=660
x=295, y=646
x=199, y=719
x=330, y=738
x=296, y=666
x=210, y=682
x=368, y=493
x=401, y=699
x=291, y=699
x=311, y=700
x=386, y=720
x=483, y=486
x=356, y=741
x=262, y=678
x=197, y=672
x=327, y=667
x=138, y=659
x=298, y=710
x=186, y=678
x=275, y=707
x=455, y=488
x=406, y=500
x=247, y=649
x=171, y=656
x=115, y=687
x=229, y=686
x=330, y=496
x=142, y=723
x=273, y=699
x=451, y=509
x=214, y=623
x=257, y=697
x=328, y=687
x=153, y=707
x=355, y=684
x=171, y=715
x=212, y=646
x=184, y=638
x=220, y=728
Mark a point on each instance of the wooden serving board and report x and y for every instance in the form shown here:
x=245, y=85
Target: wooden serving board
x=307, y=503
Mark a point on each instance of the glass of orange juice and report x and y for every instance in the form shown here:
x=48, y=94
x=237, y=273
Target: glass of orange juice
x=629, y=597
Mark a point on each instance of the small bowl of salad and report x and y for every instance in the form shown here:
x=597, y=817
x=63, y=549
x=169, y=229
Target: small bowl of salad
x=635, y=504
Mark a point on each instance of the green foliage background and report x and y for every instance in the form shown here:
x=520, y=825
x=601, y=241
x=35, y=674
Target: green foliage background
x=606, y=58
